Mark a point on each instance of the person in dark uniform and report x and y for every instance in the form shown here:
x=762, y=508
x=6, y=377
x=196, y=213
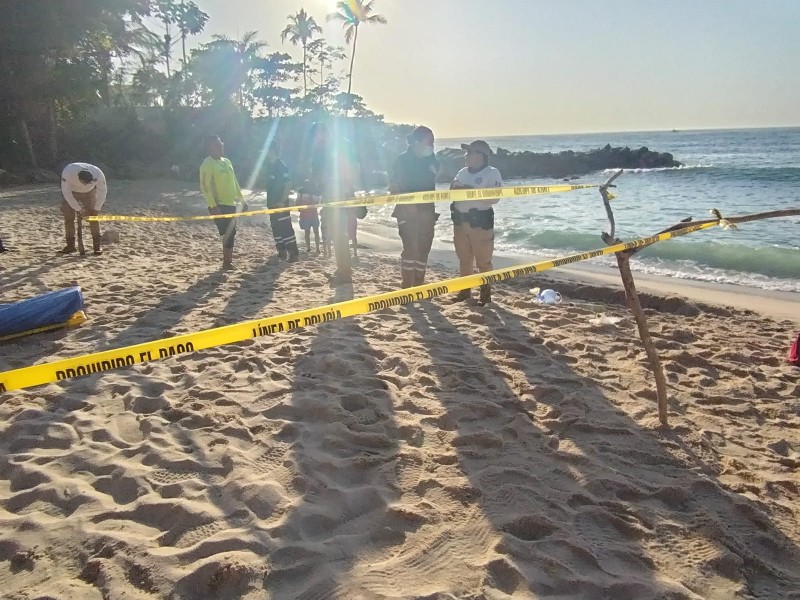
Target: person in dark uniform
x=415, y=171
x=278, y=185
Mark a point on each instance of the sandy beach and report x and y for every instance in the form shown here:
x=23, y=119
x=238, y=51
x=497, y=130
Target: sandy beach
x=430, y=451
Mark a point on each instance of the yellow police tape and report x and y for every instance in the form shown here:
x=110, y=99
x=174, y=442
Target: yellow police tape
x=415, y=198
x=200, y=340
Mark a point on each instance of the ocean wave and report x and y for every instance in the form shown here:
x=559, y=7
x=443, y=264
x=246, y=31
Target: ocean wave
x=725, y=173
x=771, y=261
x=753, y=280
x=659, y=169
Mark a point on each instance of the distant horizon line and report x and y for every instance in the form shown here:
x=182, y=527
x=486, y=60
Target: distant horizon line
x=676, y=130
x=687, y=129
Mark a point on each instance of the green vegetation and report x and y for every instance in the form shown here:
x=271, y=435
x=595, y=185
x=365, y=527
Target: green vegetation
x=97, y=80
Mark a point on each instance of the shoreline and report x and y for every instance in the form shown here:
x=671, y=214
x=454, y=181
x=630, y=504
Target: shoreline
x=506, y=451
x=383, y=240
x=774, y=304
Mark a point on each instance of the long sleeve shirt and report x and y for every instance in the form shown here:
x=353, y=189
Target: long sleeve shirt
x=218, y=182
x=70, y=184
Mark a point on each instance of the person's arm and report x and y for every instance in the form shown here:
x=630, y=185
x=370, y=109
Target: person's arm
x=102, y=191
x=67, y=191
x=238, y=189
x=498, y=182
x=396, y=177
x=358, y=183
x=287, y=186
x=209, y=189
x=236, y=185
x=287, y=189
x=458, y=184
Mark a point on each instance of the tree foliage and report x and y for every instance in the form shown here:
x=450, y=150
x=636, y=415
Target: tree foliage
x=63, y=63
x=352, y=14
x=301, y=30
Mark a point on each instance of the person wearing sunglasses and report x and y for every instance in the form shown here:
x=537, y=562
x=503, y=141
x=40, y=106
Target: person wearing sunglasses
x=473, y=220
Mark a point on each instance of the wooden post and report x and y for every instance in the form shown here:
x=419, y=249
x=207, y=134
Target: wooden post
x=632, y=297
x=81, y=248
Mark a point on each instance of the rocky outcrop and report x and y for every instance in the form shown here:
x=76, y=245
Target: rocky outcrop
x=525, y=165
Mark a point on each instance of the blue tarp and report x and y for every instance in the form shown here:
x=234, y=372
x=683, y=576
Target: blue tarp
x=52, y=308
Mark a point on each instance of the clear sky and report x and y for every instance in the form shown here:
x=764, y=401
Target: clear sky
x=507, y=67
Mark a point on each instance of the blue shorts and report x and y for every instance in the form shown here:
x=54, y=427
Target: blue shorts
x=308, y=222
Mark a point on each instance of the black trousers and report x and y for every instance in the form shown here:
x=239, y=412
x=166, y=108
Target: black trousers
x=226, y=227
x=283, y=233
x=416, y=233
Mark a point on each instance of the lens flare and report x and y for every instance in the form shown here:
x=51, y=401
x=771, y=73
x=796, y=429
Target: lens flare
x=262, y=156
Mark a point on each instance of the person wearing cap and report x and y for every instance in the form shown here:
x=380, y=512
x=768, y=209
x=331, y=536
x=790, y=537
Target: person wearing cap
x=278, y=185
x=222, y=191
x=473, y=220
x=415, y=171
x=334, y=173
x=84, y=191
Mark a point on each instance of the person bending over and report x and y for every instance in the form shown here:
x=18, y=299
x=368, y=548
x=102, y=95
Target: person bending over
x=84, y=191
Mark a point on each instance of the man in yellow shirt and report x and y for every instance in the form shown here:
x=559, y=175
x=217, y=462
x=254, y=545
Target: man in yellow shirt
x=221, y=189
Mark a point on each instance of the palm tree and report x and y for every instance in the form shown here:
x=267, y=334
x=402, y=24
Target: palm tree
x=224, y=65
x=353, y=13
x=301, y=29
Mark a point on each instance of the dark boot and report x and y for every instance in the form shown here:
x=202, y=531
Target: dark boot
x=419, y=277
x=463, y=295
x=281, y=248
x=96, y=246
x=70, y=247
x=293, y=251
x=486, y=295
x=408, y=278
x=227, y=259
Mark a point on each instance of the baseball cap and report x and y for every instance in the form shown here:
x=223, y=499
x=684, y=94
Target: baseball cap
x=478, y=146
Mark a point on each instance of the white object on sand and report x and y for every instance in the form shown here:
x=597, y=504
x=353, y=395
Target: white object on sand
x=546, y=297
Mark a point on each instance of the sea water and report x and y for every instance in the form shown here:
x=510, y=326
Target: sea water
x=735, y=171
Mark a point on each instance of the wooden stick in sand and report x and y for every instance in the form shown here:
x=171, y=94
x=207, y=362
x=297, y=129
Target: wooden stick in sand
x=632, y=297
x=81, y=248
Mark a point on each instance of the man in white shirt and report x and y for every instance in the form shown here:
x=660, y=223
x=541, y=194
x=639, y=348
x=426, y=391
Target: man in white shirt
x=84, y=189
x=473, y=220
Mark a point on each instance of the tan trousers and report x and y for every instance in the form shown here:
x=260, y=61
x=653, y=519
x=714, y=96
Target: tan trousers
x=474, y=247
x=86, y=200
